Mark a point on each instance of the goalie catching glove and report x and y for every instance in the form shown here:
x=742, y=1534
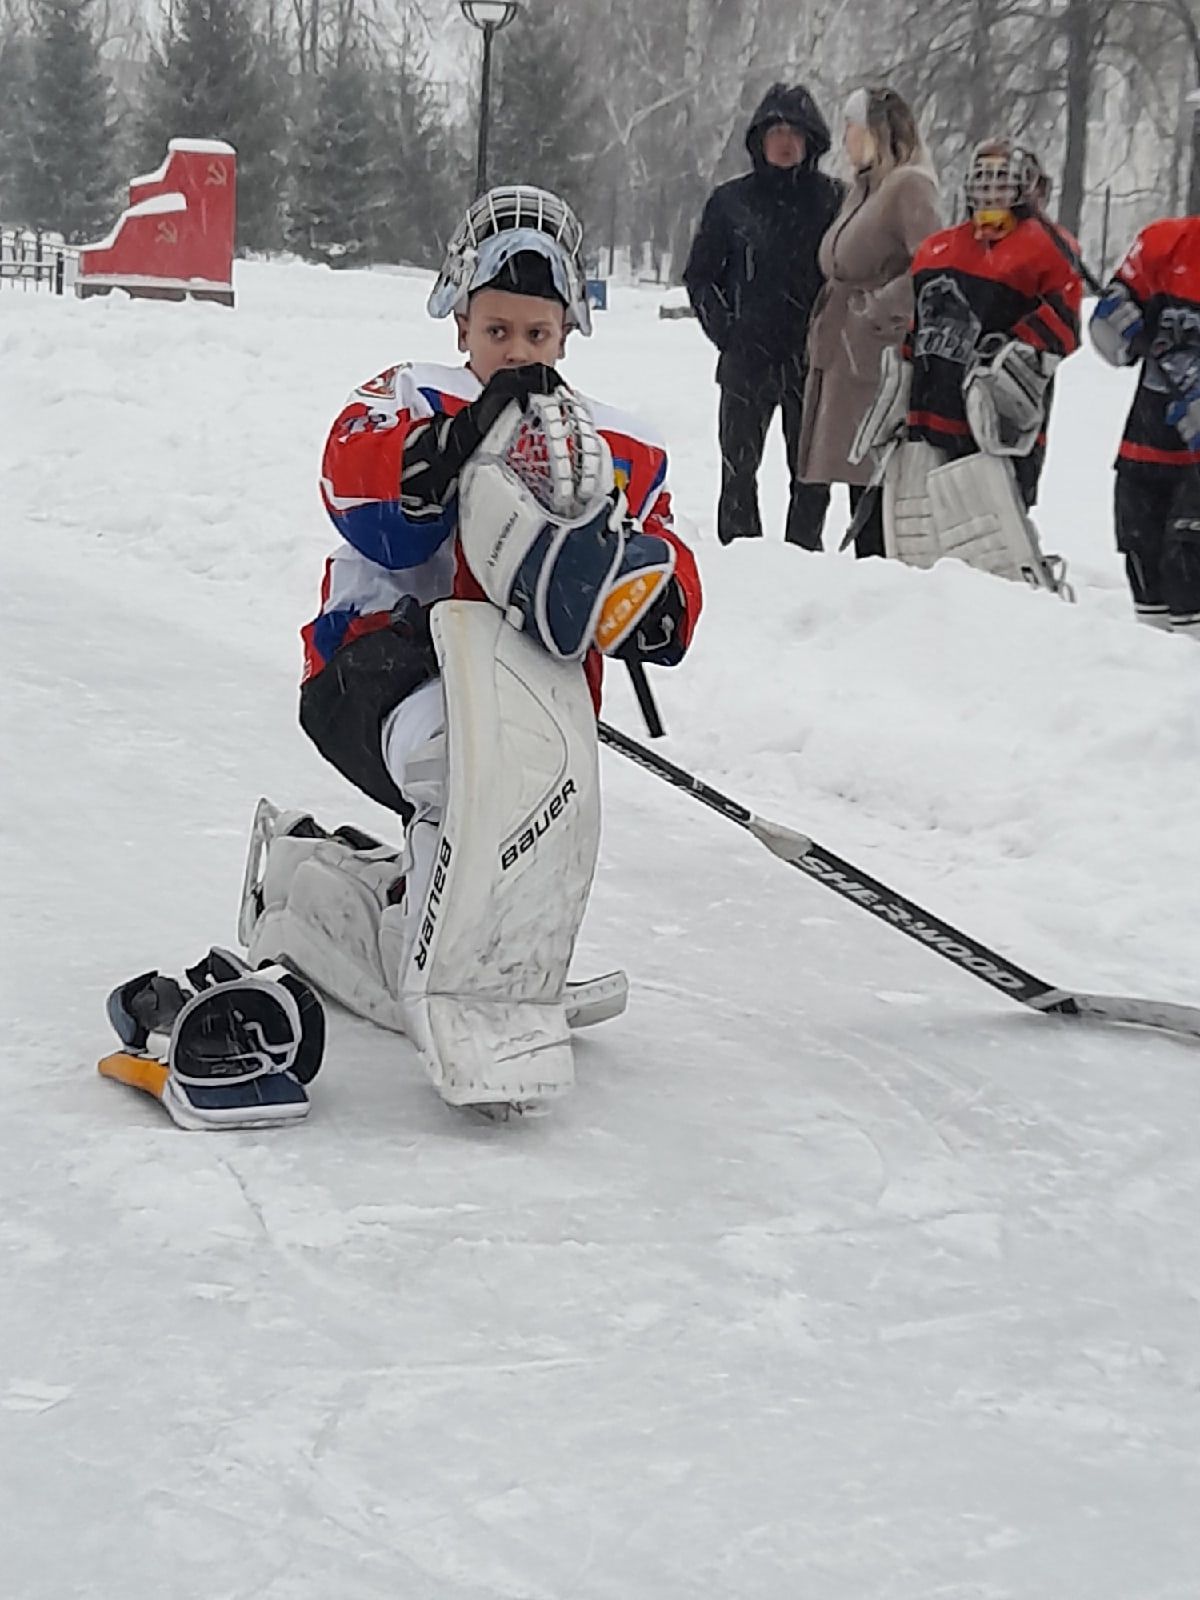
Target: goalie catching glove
x=549, y=538
x=1004, y=393
x=233, y=1051
x=437, y=450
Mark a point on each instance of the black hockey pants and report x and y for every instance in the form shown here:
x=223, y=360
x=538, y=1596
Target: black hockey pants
x=1158, y=533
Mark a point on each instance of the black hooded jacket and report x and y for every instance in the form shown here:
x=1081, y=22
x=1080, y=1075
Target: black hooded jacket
x=752, y=273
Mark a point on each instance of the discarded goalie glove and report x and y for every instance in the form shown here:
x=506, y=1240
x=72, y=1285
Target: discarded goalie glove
x=235, y=1050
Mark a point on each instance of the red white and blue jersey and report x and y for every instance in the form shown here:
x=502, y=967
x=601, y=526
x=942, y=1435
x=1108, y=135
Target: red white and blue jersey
x=386, y=554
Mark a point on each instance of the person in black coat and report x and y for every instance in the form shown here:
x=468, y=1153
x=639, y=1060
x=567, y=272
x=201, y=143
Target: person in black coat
x=752, y=278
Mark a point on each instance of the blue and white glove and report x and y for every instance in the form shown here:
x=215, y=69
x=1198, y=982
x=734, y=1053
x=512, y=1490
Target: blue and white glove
x=1181, y=368
x=1118, y=327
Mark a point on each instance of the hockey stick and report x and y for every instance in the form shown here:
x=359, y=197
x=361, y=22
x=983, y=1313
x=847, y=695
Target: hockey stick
x=645, y=698
x=1071, y=256
x=940, y=937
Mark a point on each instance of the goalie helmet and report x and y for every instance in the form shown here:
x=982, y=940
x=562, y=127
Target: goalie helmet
x=1001, y=184
x=507, y=222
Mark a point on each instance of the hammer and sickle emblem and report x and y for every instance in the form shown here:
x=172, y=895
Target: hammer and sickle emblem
x=216, y=176
x=167, y=233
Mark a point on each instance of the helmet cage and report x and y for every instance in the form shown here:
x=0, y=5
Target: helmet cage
x=502, y=223
x=1001, y=178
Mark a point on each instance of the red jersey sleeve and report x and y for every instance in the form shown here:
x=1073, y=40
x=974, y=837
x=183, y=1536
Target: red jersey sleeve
x=1053, y=324
x=361, y=473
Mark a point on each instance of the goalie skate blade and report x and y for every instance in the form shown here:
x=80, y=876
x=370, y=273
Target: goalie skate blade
x=596, y=999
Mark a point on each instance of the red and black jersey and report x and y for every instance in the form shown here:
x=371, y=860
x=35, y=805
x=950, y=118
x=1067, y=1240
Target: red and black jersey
x=965, y=288
x=1162, y=273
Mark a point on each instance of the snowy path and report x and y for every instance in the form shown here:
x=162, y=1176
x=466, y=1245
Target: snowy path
x=837, y=1275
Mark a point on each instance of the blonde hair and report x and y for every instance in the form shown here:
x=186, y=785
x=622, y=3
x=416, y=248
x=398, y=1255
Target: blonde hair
x=888, y=119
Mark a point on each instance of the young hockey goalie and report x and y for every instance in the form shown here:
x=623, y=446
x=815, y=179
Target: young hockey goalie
x=1150, y=313
x=500, y=535
x=958, y=426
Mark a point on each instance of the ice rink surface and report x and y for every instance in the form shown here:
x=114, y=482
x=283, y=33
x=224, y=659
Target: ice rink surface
x=838, y=1276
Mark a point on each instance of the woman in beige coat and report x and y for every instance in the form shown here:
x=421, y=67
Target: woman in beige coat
x=866, y=302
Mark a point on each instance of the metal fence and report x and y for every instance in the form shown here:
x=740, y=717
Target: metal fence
x=36, y=260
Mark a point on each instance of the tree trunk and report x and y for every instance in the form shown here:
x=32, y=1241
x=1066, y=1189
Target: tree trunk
x=1081, y=33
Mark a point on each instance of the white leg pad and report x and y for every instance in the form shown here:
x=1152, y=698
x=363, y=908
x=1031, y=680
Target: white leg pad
x=909, y=532
x=981, y=519
x=484, y=979
x=329, y=933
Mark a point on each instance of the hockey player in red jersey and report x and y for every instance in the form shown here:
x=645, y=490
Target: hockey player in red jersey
x=958, y=427
x=500, y=535
x=1150, y=312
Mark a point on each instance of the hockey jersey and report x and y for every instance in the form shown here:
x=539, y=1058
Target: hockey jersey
x=1162, y=273
x=965, y=288
x=387, y=553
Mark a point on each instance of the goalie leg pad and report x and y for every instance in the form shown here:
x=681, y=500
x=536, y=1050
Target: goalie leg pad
x=981, y=519
x=315, y=905
x=484, y=979
x=887, y=413
x=909, y=532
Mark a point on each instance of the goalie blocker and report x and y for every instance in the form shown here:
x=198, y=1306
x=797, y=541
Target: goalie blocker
x=236, y=1049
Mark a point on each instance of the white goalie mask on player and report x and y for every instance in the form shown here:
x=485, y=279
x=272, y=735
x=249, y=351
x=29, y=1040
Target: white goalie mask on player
x=1002, y=179
x=506, y=222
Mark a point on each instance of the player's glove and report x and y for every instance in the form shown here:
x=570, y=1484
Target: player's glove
x=1181, y=368
x=1118, y=327
x=1004, y=394
x=643, y=606
x=656, y=639
x=436, y=451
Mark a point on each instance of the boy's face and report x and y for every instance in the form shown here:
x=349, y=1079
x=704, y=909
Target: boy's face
x=501, y=329
x=783, y=146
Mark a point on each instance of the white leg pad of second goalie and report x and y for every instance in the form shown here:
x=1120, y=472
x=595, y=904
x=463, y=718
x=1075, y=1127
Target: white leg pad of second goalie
x=981, y=519
x=909, y=531
x=485, y=967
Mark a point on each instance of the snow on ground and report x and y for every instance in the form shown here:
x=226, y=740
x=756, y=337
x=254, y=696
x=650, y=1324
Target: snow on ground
x=837, y=1275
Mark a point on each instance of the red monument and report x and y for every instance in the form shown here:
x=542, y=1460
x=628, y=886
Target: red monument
x=176, y=237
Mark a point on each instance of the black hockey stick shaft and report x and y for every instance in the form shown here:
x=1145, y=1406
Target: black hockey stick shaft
x=1071, y=255
x=645, y=698
x=903, y=914
x=843, y=878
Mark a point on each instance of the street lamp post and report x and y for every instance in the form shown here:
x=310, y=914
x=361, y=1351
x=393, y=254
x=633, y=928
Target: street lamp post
x=489, y=16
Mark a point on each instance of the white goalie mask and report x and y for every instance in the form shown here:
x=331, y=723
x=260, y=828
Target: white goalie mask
x=1001, y=178
x=506, y=222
